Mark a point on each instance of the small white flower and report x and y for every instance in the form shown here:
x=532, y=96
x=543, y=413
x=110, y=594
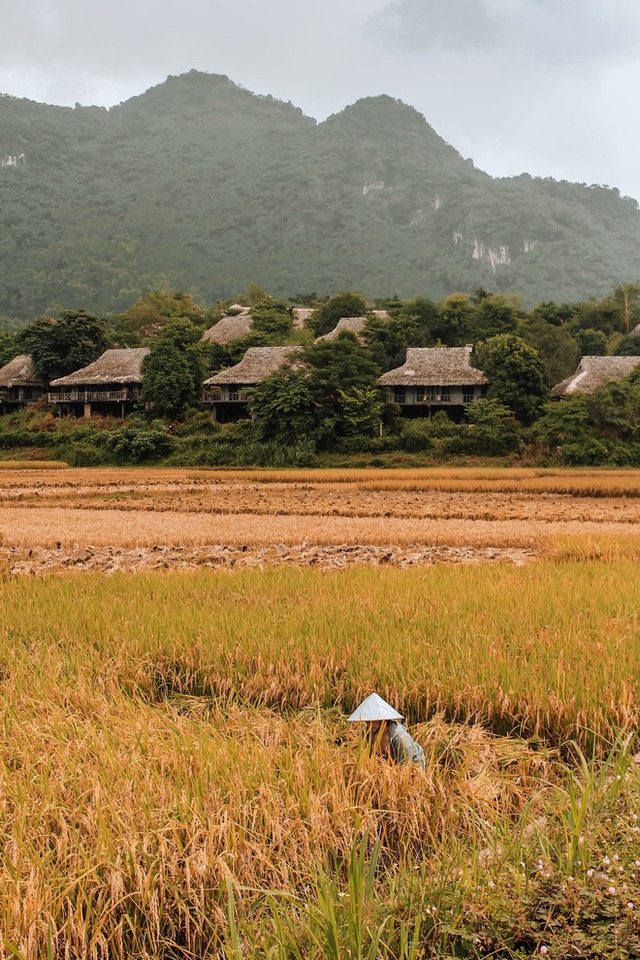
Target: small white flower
x=569, y=879
x=589, y=873
x=543, y=949
x=611, y=890
x=629, y=906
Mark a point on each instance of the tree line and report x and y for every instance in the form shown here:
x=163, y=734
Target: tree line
x=333, y=405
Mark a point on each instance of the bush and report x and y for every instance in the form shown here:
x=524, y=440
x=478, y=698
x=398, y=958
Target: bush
x=132, y=445
x=417, y=436
x=589, y=453
x=83, y=455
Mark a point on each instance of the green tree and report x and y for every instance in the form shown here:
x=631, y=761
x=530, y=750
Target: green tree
x=168, y=386
x=387, y=340
x=591, y=343
x=555, y=314
x=565, y=421
x=360, y=411
x=8, y=347
x=629, y=346
x=273, y=319
x=493, y=315
x=557, y=349
x=345, y=304
x=606, y=315
x=282, y=407
x=516, y=375
x=341, y=376
x=457, y=315
x=492, y=428
x=147, y=317
x=58, y=347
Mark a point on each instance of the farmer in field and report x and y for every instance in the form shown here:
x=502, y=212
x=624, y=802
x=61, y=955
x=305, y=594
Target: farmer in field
x=386, y=736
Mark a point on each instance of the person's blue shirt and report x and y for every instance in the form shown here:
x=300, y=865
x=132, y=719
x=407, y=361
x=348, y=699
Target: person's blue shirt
x=403, y=747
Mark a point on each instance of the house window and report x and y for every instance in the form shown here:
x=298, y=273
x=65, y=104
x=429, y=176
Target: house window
x=445, y=394
x=399, y=395
x=467, y=394
x=434, y=394
x=419, y=394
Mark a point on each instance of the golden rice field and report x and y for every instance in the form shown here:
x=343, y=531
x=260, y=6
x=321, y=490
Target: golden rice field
x=177, y=777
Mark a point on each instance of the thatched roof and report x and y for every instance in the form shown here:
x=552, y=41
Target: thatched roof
x=257, y=364
x=435, y=366
x=114, y=366
x=636, y=331
x=229, y=328
x=20, y=372
x=354, y=325
x=301, y=315
x=381, y=314
x=595, y=372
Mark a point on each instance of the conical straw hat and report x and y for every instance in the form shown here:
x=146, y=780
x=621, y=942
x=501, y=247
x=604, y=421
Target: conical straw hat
x=375, y=708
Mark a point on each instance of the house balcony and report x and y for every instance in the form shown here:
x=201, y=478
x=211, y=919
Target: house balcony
x=435, y=396
x=225, y=395
x=93, y=396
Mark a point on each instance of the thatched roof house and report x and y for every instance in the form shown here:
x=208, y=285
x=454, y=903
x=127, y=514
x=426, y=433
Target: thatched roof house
x=595, y=372
x=20, y=372
x=19, y=382
x=257, y=364
x=381, y=314
x=301, y=315
x=113, y=366
x=225, y=391
x=111, y=384
x=636, y=331
x=354, y=325
x=229, y=328
x=434, y=378
x=435, y=366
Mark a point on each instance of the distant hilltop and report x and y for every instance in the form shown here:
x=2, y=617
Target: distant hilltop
x=207, y=186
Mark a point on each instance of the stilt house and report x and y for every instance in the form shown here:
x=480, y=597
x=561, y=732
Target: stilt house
x=435, y=378
x=19, y=383
x=593, y=373
x=109, y=386
x=226, y=391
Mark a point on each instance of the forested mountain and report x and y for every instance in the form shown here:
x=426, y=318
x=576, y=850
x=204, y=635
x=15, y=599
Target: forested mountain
x=208, y=186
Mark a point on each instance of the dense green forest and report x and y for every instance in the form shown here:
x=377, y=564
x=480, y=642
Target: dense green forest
x=206, y=186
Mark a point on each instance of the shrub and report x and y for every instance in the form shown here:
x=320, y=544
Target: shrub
x=132, y=445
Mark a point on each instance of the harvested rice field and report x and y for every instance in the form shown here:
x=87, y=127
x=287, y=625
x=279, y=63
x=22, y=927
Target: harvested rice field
x=330, y=517
x=179, y=651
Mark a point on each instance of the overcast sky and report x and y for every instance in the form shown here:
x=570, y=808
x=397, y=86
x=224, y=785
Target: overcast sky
x=549, y=87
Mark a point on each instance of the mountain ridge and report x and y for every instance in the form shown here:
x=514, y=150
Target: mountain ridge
x=209, y=186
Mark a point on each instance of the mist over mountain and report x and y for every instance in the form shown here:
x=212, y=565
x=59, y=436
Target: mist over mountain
x=205, y=185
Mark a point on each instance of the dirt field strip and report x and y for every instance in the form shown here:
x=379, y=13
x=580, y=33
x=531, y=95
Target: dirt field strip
x=50, y=526
x=153, y=519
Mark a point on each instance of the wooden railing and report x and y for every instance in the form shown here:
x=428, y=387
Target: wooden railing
x=90, y=396
x=227, y=396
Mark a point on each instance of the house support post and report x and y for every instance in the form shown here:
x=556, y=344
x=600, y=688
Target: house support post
x=87, y=410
